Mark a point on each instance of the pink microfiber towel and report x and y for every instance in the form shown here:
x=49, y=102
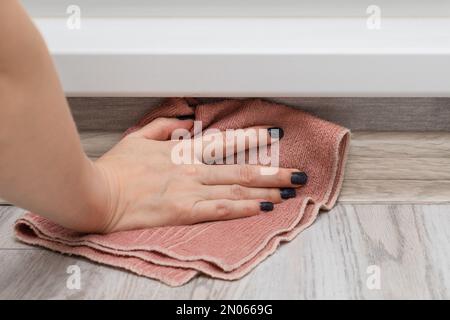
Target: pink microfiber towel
x=223, y=249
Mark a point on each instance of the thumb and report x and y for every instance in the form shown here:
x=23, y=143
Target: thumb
x=162, y=128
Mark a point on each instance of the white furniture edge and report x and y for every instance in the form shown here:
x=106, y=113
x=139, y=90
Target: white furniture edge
x=239, y=8
x=251, y=56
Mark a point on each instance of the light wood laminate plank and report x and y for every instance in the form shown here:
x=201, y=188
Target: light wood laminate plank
x=410, y=246
x=397, y=169
x=389, y=166
x=400, y=144
x=8, y=215
x=395, y=191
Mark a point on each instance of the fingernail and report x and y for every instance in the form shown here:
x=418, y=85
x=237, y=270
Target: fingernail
x=299, y=178
x=276, y=132
x=266, y=206
x=186, y=117
x=287, y=193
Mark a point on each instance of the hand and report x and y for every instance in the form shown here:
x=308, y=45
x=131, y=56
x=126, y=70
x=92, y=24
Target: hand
x=142, y=187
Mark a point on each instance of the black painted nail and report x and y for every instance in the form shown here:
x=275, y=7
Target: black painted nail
x=299, y=178
x=276, y=132
x=266, y=206
x=186, y=117
x=287, y=193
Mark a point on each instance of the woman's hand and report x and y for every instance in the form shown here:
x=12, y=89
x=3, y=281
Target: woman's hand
x=43, y=168
x=142, y=187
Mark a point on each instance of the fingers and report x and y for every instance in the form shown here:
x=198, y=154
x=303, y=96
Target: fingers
x=217, y=145
x=251, y=176
x=162, y=128
x=211, y=210
x=238, y=192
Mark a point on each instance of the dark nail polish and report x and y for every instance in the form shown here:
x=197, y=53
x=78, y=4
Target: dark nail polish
x=186, y=117
x=266, y=206
x=287, y=193
x=299, y=178
x=276, y=132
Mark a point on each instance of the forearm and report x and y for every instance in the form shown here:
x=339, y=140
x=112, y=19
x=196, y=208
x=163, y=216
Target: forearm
x=42, y=165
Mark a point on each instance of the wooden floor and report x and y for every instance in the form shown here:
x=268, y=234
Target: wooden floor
x=393, y=216
x=383, y=167
x=409, y=245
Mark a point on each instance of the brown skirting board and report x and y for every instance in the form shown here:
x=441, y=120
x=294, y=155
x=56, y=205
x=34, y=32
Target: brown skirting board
x=363, y=114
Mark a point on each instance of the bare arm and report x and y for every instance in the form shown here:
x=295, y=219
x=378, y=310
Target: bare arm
x=41, y=161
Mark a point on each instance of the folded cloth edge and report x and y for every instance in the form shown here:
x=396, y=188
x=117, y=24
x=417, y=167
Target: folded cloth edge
x=266, y=248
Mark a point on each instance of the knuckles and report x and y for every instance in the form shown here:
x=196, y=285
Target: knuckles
x=222, y=210
x=189, y=170
x=247, y=175
x=237, y=192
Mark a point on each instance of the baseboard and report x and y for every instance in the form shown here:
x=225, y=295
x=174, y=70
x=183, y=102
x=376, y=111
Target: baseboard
x=363, y=114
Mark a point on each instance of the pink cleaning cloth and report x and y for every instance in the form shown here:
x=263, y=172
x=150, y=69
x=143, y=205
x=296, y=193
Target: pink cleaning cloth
x=223, y=249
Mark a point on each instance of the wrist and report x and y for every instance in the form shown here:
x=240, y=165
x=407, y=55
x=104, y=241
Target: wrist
x=97, y=208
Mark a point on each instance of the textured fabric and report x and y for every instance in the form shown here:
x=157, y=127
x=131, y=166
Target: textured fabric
x=223, y=249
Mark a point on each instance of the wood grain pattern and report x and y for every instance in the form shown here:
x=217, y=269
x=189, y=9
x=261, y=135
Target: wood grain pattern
x=395, y=191
x=409, y=244
x=371, y=114
x=398, y=168
x=379, y=114
x=400, y=144
x=96, y=143
x=8, y=215
x=394, y=145
x=383, y=167
x=109, y=114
